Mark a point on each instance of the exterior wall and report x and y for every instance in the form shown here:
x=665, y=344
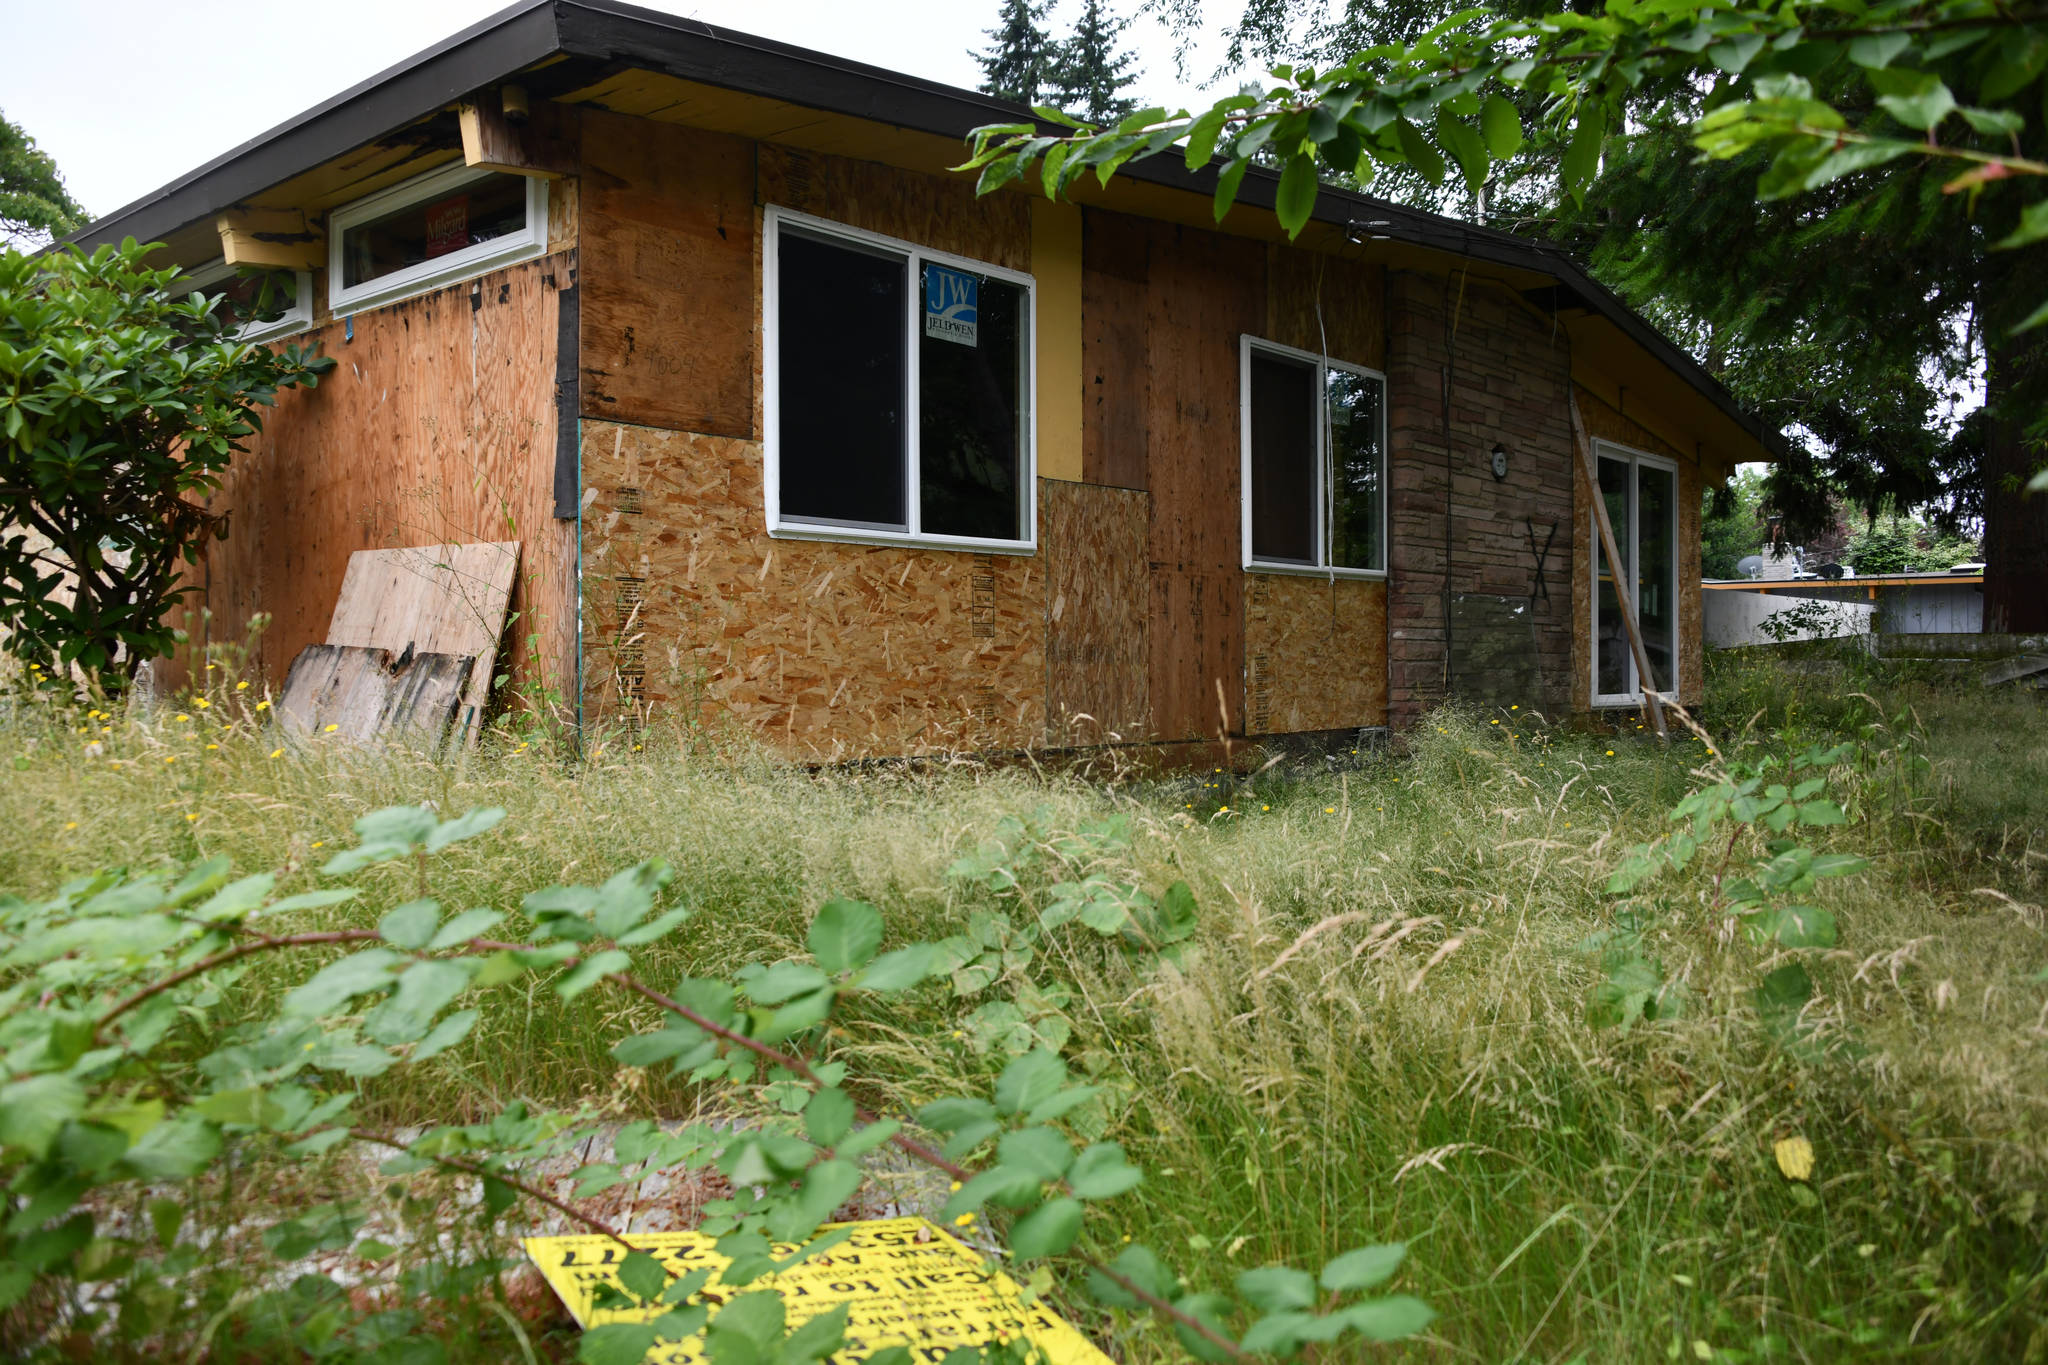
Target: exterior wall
x=1475, y=605
x=439, y=424
x=1606, y=423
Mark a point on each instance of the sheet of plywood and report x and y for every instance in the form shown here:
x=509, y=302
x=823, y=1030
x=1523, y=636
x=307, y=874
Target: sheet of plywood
x=1315, y=654
x=437, y=426
x=1204, y=292
x=1097, y=607
x=366, y=694
x=938, y=211
x=1116, y=383
x=437, y=599
x=667, y=236
x=824, y=651
x=1318, y=301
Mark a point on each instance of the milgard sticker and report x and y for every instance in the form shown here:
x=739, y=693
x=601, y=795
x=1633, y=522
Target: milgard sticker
x=951, y=305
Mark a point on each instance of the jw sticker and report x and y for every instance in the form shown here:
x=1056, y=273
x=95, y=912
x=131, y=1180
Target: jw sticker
x=952, y=305
x=903, y=1280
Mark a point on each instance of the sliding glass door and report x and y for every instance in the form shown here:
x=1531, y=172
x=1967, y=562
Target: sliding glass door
x=1641, y=494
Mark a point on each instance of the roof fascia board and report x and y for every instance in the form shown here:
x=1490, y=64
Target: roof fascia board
x=486, y=51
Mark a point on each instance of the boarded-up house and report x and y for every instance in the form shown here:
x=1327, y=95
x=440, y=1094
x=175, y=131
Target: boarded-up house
x=796, y=431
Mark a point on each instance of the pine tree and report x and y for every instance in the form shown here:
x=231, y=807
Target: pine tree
x=1090, y=74
x=1020, y=65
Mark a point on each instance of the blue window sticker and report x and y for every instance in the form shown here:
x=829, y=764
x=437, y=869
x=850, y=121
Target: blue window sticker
x=951, y=305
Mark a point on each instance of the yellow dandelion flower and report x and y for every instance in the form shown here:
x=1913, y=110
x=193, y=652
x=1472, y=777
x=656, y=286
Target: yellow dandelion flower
x=170, y=758
x=202, y=703
x=106, y=729
x=1329, y=810
x=242, y=686
x=1610, y=753
x=71, y=824
x=963, y=1220
x=319, y=843
x=1265, y=808
x=189, y=815
x=213, y=746
x=1516, y=707
x=1494, y=721
x=211, y=667
x=182, y=718
x=262, y=706
x=277, y=753
x=330, y=729
x=954, y=1187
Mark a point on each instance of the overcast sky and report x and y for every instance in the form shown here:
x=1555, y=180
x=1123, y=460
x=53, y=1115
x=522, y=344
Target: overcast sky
x=126, y=102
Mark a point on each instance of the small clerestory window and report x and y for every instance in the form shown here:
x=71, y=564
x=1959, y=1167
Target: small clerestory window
x=430, y=231
x=276, y=303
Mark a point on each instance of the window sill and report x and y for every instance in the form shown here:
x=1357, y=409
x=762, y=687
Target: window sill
x=407, y=284
x=1309, y=571
x=899, y=540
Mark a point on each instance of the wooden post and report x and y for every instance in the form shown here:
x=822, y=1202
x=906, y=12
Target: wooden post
x=1624, y=599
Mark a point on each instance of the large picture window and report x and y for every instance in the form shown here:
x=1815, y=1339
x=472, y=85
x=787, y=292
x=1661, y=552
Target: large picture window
x=897, y=391
x=1641, y=493
x=430, y=231
x=1314, y=463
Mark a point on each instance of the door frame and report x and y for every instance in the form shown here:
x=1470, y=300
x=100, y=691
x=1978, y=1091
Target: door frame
x=1635, y=460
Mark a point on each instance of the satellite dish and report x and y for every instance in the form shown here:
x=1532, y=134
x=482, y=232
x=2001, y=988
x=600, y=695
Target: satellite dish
x=1750, y=566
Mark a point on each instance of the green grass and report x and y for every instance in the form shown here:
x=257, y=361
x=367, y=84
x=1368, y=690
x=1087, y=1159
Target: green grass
x=1381, y=1035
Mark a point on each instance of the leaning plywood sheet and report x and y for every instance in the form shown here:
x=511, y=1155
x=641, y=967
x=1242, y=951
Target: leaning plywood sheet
x=362, y=693
x=431, y=599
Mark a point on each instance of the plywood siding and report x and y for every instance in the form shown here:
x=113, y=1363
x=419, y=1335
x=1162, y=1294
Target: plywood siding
x=437, y=426
x=1315, y=654
x=1332, y=304
x=937, y=211
x=1117, y=382
x=1605, y=423
x=1098, y=603
x=824, y=651
x=668, y=302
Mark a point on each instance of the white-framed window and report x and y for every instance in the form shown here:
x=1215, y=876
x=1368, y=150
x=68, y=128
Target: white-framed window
x=1641, y=493
x=430, y=231
x=1315, y=463
x=287, y=310
x=897, y=391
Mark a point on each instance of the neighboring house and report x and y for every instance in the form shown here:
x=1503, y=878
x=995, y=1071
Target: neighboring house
x=796, y=430
x=1738, y=610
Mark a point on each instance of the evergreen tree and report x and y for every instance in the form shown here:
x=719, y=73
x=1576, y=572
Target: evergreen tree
x=1021, y=64
x=1091, y=75
x=34, y=204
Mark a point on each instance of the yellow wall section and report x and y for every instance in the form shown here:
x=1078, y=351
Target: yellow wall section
x=1056, y=265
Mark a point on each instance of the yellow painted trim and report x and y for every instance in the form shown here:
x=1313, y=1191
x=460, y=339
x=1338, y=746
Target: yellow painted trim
x=1056, y=266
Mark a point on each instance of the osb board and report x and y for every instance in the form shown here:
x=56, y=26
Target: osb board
x=937, y=211
x=437, y=426
x=1315, y=654
x=1604, y=423
x=825, y=651
x=667, y=231
x=1329, y=303
x=441, y=599
x=1203, y=291
x=1092, y=541
x=1116, y=382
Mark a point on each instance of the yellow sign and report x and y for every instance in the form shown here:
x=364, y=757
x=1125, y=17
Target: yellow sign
x=904, y=1281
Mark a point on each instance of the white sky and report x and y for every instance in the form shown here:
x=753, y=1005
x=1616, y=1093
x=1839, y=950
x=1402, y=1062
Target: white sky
x=162, y=98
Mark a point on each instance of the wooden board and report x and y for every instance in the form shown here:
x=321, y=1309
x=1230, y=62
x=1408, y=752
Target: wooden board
x=1334, y=304
x=1204, y=291
x=937, y=211
x=431, y=599
x=1116, y=381
x=369, y=694
x=825, y=651
x=1315, y=654
x=667, y=234
x=1098, y=595
x=437, y=426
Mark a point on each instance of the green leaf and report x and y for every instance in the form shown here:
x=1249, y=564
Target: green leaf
x=445, y=1034
x=1784, y=990
x=1389, y=1319
x=1047, y=1230
x=1423, y=157
x=1042, y=1151
x=411, y=925
x=1364, y=1267
x=339, y=982
x=424, y=990
x=617, y=1343
x=1276, y=1288
x=397, y=825
x=1466, y=147
x=1010, y=1186
x=643, y=1276
x=2032, y=228
x=176, y=1150
x=1917, y=99
x=954, y=1113
x=32, y=1111
x=591, y=970
x=819, y=1337
x=469, y=924
x=1297, y=197
x=1736, y=53
x=1582, y=155
x=900, y=970
x=1278, y=1334
x=1029, y=1080
x=313, y=900
x=356, y=859
x=1876, y=50
x=1501, y=124
x=869, y=1138
x=237, y=900
x=1101, y=1172
x=804, y=1012
x=1796, y=926
x=828, y=1116
x=1202, y=135
x=476, y=822
x=2039, y=483
x=783, y=981
x=658, y=927
x=1822, y=813
x=626, y=897
x=845, y=935
x=1227, y=184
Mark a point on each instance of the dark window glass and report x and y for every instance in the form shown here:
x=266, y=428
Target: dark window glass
x=255, y=298
x=476, y=212
x=840, y=362
x=969, y=385
x=1656, y=612
x=1354, y=404
x=1612, y=668
x=1283, y=421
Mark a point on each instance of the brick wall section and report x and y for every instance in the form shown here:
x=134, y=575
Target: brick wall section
x=1509, y=375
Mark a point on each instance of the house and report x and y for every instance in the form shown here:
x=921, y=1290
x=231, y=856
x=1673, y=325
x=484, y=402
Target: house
x=796, y=431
